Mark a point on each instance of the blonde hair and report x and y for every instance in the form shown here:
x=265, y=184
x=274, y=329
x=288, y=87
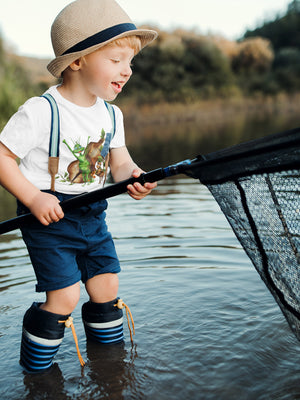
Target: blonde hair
x=132, y=41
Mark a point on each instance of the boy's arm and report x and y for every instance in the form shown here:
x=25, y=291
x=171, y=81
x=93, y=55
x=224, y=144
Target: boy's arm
x=45, y=207
x=123, y=167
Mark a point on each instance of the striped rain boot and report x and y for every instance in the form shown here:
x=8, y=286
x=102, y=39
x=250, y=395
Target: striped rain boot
x=103, y=322
x=41, y=338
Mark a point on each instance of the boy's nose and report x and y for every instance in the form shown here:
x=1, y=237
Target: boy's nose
x=127, y=71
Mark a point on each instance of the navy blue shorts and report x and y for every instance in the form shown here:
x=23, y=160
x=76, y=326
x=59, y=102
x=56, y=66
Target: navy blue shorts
x=75, y=248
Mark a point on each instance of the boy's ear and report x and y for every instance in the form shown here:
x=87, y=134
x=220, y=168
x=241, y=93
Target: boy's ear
x=76, y=65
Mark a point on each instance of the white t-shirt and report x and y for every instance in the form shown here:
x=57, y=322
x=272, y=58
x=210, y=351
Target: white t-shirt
x=83, y=131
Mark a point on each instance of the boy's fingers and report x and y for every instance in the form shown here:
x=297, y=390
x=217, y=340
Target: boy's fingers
x=56, y=214
x=151, y=186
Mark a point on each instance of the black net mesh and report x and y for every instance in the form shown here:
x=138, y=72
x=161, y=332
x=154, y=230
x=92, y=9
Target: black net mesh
x=264, y=212
x=257, y=186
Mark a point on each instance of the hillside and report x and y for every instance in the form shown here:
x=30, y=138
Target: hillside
x=35, y=67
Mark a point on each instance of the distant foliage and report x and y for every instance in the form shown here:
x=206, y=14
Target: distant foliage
x=183, y=66
x=286, y=69
x=15, y=86
x=254, y=56
x=180, y=66
x=252, y=64
x=283, y=31
x=284, y=36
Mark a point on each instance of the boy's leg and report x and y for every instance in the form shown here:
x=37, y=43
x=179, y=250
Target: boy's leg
x=103, y=320
x=42, y=330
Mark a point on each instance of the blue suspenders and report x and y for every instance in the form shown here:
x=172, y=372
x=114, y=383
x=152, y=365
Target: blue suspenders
x=112, y=117
x=55, y=135
x=54, y=140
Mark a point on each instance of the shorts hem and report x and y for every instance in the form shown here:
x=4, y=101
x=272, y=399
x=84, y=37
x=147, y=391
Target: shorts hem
x=49, y=288
x=108, y=270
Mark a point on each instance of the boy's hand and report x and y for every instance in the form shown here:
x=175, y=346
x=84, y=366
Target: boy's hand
x=45, y=207
x=138, y=191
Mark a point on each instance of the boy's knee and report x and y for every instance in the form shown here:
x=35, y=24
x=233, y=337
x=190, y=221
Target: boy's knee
x=69, y=304
x=112, y=283
x=71, y=298
x=62, y=301
x=103, y=288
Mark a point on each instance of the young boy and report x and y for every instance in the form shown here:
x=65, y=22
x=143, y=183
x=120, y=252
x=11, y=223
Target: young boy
x=94, y=43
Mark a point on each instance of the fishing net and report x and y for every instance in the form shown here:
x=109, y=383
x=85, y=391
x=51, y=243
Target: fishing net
x=257, y=186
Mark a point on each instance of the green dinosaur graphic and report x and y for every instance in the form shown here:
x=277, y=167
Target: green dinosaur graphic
x=89, y=162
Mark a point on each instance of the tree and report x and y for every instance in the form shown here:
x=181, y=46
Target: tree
x=254, y=55
x=286, y=69
x=283, y=31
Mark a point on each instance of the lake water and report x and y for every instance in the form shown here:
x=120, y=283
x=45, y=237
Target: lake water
x=206, y=326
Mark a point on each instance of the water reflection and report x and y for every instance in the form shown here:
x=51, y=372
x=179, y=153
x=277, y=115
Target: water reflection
x=160, y=145
x=49, y=385
x=109, y=373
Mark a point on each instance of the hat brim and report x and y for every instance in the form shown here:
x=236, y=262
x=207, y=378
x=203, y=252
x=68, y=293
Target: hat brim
x=60, y=63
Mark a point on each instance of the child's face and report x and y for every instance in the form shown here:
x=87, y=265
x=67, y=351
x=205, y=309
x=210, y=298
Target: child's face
x=106, y=71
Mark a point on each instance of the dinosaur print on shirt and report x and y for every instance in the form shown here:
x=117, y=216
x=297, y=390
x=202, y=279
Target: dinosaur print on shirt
x=90, y=161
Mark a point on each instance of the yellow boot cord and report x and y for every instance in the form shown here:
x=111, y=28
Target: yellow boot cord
x=69, y=324
x=120, y=304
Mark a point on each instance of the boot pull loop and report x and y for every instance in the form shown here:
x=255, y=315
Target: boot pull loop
x=69, y=324
x=120, y=304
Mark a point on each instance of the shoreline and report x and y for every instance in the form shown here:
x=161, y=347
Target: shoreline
x=222, y=110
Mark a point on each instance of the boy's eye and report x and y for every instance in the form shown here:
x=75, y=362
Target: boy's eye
x=114, y=60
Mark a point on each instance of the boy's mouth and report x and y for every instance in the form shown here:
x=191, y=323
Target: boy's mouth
x=117, y=87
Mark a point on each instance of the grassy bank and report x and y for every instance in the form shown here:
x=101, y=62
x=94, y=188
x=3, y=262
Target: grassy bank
x=217, y=111
x=209, y=117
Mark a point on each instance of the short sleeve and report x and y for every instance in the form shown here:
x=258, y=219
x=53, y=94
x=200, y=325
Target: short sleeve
x=27, y=128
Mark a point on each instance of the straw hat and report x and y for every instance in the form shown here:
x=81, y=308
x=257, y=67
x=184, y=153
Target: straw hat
x=84, y=26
